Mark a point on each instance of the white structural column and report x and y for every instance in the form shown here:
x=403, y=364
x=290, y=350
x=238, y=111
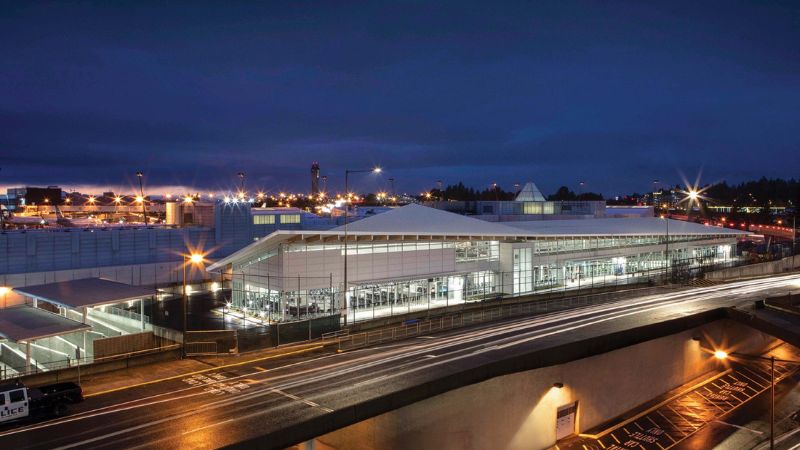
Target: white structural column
x=85, y=321
x=27, y=356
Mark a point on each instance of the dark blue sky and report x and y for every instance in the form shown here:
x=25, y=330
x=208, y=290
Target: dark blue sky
x=614, y=93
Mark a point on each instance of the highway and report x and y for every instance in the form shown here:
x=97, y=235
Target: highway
x=252, y=403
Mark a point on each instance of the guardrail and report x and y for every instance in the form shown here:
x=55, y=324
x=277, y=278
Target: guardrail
x=201, y=348
x=335, y=334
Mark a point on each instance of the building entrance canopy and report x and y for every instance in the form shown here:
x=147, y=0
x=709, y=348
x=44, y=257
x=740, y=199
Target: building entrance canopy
x=23, y=323
x=87, y=292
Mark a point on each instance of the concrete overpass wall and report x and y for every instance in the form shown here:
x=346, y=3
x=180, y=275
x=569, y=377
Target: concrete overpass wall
x=518, y=411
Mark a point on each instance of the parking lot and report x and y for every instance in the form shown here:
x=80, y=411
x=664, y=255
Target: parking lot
x=668, y=423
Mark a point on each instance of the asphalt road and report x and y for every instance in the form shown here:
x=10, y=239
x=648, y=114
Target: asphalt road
x=244, y=403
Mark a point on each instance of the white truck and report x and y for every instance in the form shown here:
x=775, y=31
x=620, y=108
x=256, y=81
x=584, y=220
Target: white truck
x=18, y=402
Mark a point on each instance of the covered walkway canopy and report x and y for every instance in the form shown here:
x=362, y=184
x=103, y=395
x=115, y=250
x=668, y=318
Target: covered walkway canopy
x=87, y=292
x=24, y=323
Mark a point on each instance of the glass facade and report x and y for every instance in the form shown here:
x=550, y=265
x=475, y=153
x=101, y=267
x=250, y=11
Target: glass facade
x=478, y=270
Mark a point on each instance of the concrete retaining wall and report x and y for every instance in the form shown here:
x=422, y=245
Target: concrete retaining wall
x=755, y=270
x=518, y=411
x=71, y=374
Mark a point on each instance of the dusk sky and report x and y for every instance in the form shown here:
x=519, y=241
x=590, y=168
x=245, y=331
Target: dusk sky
x=613, y=93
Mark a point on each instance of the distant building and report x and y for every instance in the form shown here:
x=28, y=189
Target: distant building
x=314, y=178
x=29, y=195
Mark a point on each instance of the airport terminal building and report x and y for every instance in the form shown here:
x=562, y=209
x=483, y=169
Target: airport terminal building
x=415, y=257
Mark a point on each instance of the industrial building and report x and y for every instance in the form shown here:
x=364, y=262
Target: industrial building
x=415, y=257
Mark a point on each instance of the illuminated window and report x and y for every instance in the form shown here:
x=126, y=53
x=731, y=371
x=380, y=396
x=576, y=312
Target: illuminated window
x=532, y=208
x=290, y=218
x=263, y=219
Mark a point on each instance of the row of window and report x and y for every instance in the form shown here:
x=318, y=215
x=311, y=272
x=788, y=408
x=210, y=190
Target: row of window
x=570, y=245
x=269, y=219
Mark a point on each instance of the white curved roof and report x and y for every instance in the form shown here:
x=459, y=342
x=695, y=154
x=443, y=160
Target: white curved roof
x=418, y=219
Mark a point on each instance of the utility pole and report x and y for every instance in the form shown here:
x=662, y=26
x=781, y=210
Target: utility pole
x=794, y=236
x=772, y=404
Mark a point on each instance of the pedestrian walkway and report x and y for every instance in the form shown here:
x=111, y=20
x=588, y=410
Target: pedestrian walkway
x=674, y=419
x=97, y=384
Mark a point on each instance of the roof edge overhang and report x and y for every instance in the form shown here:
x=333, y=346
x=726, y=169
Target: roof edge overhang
x=289, y=236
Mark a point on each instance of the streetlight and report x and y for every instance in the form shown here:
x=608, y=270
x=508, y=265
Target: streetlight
x=194, y=259
x=140, y=175
x=4, y=290
x=723, y=355
x=347, y=173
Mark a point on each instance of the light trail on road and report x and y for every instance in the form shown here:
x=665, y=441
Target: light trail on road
x=325, y=381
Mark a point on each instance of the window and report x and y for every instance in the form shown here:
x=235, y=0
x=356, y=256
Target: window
x=16, y=396
x=2, y=398
x=532, y=208
x=477, y=250
x=263, y=219
x=290, y=218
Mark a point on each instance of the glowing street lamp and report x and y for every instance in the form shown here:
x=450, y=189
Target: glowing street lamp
x=347, y=172
x=4, y=290
x=195, y=259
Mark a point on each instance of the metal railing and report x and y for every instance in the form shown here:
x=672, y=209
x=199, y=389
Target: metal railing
x=201, y=348
x=9, y=371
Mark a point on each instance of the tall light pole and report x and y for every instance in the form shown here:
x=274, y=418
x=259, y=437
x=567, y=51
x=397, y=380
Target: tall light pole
x=195, y=259
x=347, y=173
x=139, y=175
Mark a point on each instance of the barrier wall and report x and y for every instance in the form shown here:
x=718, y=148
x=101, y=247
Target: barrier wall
x=755, y=270
x=127, y=343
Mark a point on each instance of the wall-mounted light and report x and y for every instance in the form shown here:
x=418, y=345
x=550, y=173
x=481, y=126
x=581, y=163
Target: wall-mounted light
x=558, y=385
